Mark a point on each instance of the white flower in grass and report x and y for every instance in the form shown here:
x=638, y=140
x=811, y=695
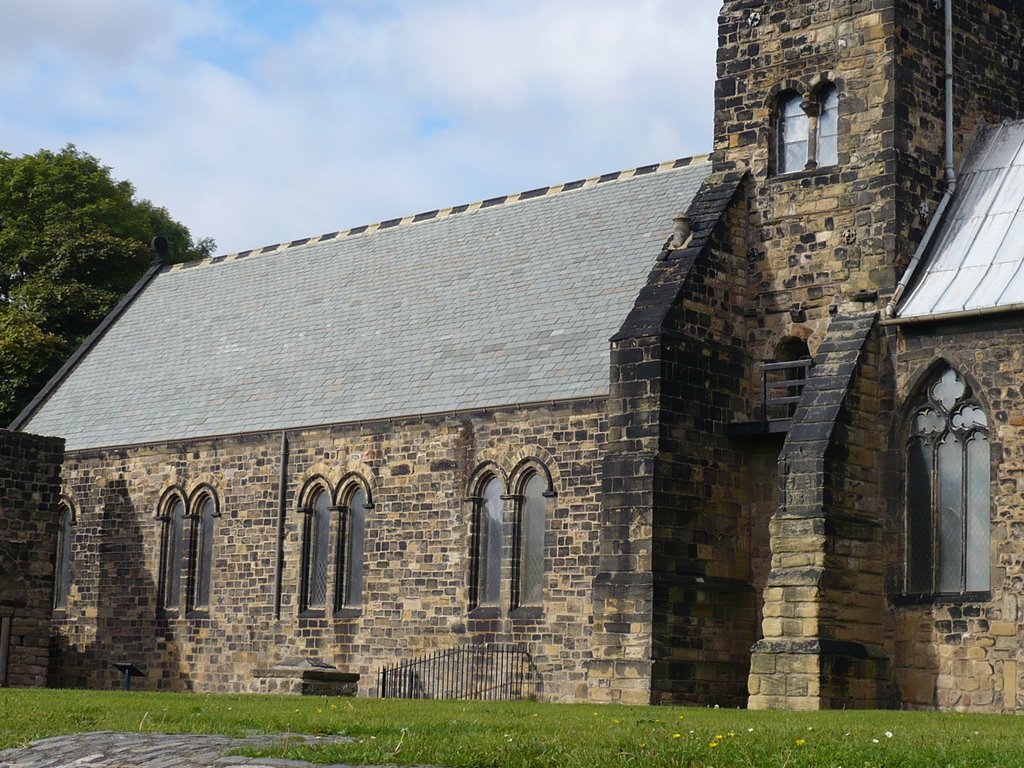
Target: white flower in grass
x=874, y=741
x=888, y=734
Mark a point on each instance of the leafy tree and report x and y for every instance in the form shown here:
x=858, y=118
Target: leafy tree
x=73, y=240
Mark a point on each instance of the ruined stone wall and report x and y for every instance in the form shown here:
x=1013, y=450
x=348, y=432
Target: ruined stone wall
x=417, y=555
x=953, y=653
x=29, y=521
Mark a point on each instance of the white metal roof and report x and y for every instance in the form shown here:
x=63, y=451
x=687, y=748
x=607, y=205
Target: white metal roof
x=977, y=259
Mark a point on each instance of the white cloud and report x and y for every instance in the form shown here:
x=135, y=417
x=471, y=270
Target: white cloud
x=370, y=111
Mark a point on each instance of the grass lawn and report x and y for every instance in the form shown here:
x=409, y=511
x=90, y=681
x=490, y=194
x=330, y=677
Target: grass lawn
x=529, y=734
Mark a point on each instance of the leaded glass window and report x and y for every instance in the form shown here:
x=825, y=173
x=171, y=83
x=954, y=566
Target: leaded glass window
x=488, y=523
x=316, y=531
x=947, y=487
x=532, y=520
x=62, y=574
x=172, y=534
x=792, y=134
x=351, y=545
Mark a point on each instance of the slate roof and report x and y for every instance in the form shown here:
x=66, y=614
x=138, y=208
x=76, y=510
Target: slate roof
x=977, y=260
x=508, y=301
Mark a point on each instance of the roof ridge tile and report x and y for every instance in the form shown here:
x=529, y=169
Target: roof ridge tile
x=444, y=213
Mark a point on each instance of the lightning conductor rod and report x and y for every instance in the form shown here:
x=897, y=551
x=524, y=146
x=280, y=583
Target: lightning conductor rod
x=890, y=309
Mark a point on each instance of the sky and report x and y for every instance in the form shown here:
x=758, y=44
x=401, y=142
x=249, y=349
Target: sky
x=263, y=121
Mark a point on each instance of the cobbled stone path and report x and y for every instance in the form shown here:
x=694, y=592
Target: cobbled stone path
x=107, y=749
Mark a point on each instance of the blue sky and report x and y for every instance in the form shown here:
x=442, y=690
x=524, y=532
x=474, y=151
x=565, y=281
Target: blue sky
x=260, y=122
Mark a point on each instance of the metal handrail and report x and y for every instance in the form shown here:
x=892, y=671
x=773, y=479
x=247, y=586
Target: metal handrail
x=795, y=378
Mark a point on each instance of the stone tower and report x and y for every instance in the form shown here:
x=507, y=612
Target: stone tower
x=836, y=110
x=842, y=228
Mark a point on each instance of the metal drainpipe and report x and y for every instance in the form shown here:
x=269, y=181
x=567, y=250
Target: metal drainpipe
x=281, y=509
x=890, y=309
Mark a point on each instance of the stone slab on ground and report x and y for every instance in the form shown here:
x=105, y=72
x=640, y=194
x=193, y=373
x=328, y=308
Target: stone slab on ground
x=108, y=749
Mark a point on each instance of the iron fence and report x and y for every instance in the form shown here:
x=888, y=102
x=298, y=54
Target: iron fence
x=493, y=672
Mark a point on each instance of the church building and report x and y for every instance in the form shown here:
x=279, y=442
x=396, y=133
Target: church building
x=744, y=429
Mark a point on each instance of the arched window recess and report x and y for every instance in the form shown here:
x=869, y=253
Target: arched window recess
x=948, y=476
x=534, y=490
x=171, y=514
x=66, y=521
x=487, y=521
x=203, y=511
x=353, y=499
x=807, y=129
x=315, y=508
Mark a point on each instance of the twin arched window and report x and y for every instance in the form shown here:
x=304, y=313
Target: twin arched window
x=522, y=546
x=348, y=519
x=947, y=490
x=198, y=564
x=807, y=132
x=62, y=570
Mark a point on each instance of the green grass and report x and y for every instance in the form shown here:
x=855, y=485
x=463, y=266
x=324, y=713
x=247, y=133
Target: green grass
x=529, y=734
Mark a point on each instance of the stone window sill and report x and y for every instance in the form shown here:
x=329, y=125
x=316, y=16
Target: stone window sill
x=950, y=598
x=527, y=612
x=485, y=612
x=807, y=173
x=348, y=613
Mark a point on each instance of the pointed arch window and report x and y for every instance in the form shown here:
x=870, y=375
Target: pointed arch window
x=201, y=534
x=62, y=572
x=350, y=548
x=172, y=521
x=947, y=490
x=316, y=540
x=488, y=521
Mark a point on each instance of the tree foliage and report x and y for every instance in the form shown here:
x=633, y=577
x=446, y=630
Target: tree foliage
x=73, y=240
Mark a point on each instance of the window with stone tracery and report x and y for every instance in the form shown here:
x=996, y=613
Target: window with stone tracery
x=947, y=490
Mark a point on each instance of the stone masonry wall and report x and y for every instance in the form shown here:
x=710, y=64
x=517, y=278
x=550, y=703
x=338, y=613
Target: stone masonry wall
x=29, y=521
x=416, y=562
x=825, y=617
x=954, y=654
x=841, y=233
x=823, y=235
x=674, y=609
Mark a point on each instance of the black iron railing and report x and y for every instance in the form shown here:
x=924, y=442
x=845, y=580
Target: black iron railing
x=782, y=386
x=493, y=672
